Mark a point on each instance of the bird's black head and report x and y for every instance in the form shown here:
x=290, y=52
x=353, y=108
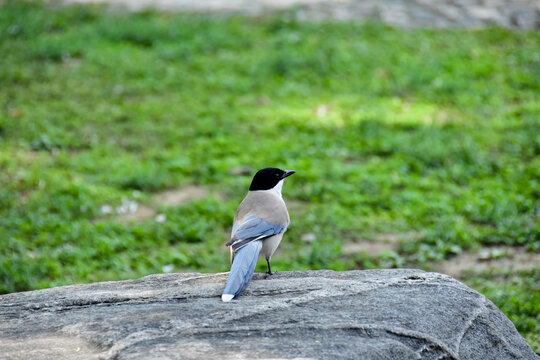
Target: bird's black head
x=267, y=178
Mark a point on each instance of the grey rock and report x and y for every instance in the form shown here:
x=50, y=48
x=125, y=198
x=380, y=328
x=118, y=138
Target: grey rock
x=371, y=314
x=522, y=14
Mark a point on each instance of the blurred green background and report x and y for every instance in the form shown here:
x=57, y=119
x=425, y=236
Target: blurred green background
x=128, y=139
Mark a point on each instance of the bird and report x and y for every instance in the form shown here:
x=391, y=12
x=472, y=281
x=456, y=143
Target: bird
x=258, y=227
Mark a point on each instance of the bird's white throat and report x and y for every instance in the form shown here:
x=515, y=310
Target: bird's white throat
x=278, y=187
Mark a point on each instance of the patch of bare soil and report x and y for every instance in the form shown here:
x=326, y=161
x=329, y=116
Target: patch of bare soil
x=180, y=195
x=141, y=213
x=383, y=242
x=395, y=237
x=373, y=248
x=130, y=210
x=493, y=258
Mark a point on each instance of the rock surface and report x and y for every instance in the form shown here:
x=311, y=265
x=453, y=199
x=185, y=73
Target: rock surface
x=372, y=314
x=523, y=14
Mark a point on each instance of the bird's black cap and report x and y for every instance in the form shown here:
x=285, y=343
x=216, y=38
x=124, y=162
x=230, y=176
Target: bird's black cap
x=267, y=178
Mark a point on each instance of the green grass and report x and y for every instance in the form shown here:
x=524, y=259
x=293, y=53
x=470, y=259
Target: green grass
x=427, y=131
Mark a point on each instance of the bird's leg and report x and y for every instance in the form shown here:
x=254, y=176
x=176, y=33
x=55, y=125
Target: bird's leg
x=269, y=272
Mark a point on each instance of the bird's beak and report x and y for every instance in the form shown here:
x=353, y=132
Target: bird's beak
x=288, y=173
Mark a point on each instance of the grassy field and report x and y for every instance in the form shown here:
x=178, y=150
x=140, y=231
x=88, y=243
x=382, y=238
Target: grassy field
x=424, y=132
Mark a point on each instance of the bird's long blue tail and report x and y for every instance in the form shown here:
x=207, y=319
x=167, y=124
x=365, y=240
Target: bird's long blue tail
x=242, y=270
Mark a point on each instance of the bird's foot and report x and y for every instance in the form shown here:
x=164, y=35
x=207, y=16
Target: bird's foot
x=269, y=273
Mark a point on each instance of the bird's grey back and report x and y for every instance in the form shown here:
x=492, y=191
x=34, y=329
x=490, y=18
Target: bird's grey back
x=266, y=205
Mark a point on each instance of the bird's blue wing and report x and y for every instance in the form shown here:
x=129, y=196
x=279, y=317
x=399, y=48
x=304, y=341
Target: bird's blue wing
x=253, y=228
